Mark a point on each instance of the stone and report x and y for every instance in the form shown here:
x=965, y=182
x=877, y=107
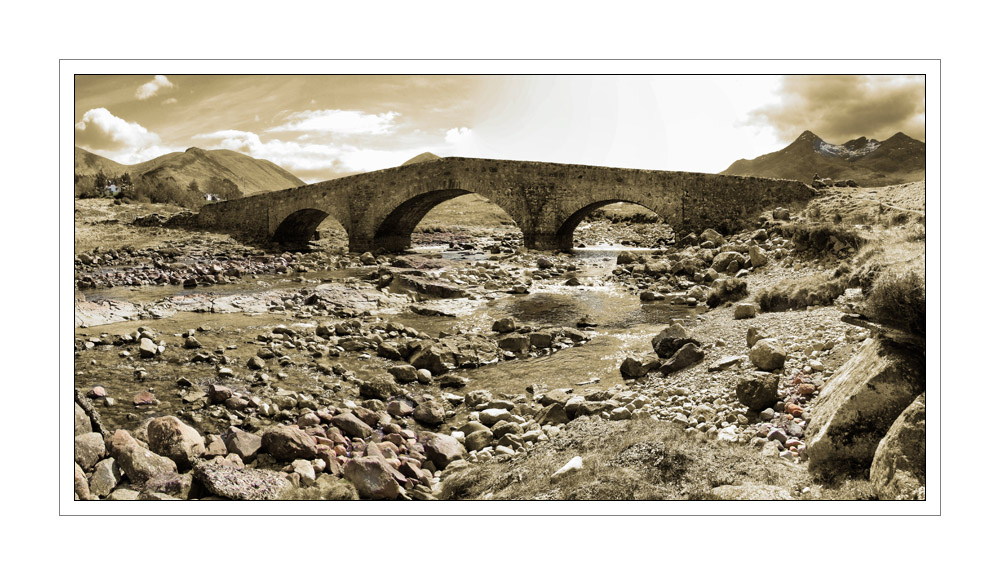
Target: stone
x=671, y=339
x=726, y=362
x=632, y=368
x=768, y=354
x=758, y=392
x=256, y=363
x=81, y=421
x=138, y=463
x=147, y=348
x=859, y=403
x=898, y=470
x=432, y=358
x=489, y=417
x=399, y=408
x=88, y=449
x=450, y=381
x=105, y=478
x=372, y=477
x=572, y=466
x=686, y=356
x=286, y=443
x=516, y=343
x=544, y=263
x=729, y=262
x=170, y=437
x=240, y=483
x=729, y=434
x=425, y=376
x=430, y=413
x=81, y=490
x=404, y=373
x=305, y=470
x=242, y=443
x=781, y=214
x=620, y=413
x=560, y=396
x=381, y=386
x=777, y=434
x=351, y=425
x=219, y=393
x=478, y=440
x=757, y=256
x=710, y=235
x=504, y=325
x=744, y=311
x=441, y=449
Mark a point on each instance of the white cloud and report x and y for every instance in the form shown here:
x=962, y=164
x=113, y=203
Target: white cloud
x=309, y=161
x=338, y=122
x=101, y=129
x=170, y=101
x=457, y=135
x=149, y=89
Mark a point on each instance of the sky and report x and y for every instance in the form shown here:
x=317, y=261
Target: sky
x=323, y=127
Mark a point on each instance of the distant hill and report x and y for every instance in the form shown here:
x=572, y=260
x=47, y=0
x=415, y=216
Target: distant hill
x=253, y=176
x=425, y=157
x=896, y=160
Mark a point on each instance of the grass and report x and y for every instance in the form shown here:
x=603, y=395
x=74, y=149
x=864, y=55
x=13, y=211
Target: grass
x=799, y=293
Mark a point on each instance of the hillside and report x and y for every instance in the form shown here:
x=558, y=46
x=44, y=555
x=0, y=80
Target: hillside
x=425, y=157
x=252, y=175
x=869, y=162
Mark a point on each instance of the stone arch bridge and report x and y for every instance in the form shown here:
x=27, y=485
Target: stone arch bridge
x=547, y=201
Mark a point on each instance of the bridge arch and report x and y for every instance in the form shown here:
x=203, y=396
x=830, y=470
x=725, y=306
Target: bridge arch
x=564, y=234
x=393, y=232
x=299, y=226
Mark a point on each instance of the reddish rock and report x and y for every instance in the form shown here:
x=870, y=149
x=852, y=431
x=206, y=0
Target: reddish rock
x=793, y=409
x=286, y=443
x=372, y=477
x=144, y=398
x=807, y=389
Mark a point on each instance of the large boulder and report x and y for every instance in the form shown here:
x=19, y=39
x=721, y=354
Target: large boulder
x=768, y=354
x=757, y=256
x=724, y=260
x=433, y=359
x=242, y=443
x=81, y=421
x=240, y=483
x=758, y=392
x=899, y=467
x=686, y=356
x=351, y=425
x=372, y=477
x=441, y=449
x=381, y=386
x=859, y=404
x=286, y=443
x=88, y=449
x=138, y=463
x=170, y=437
x=429, y=413
x=667, y=342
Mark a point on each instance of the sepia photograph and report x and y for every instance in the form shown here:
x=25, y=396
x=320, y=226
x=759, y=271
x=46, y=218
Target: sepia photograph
x=499, y=287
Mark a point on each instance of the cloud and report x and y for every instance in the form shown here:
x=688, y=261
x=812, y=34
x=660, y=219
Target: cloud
x=841, y=108
x=352, y=122
x=308, y=160
x=169, y=101
x=457, y=135
x=101, y=129
x=150, y=88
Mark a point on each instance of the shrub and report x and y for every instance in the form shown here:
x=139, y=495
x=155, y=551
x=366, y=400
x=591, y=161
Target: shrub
x=729, y=290
x=899, y=300
x=821, y=236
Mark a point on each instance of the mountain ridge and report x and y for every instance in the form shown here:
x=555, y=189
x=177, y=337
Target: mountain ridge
x=870, y=162
x=252, y=175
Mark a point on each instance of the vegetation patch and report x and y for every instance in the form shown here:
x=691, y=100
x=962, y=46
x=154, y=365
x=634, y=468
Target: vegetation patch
x=799, y=293
x=821, y=236
x=729, y=290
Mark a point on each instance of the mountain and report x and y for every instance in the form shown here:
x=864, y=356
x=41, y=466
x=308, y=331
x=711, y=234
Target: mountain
x=425, y=157
x=869, y=162
x=253, y=176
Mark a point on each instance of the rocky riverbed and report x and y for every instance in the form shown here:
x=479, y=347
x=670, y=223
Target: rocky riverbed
x=211, y=370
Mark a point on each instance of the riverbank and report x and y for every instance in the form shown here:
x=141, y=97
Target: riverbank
x=460, y=373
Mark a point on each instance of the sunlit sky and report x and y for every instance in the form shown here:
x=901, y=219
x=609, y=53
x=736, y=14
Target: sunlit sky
x=322, y=127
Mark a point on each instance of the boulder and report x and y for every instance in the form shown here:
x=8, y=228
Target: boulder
x=758, y=392
x=768, y=354
x=686, y=356
x=240, y=483
x=516, y=343
x=88, y=449
x=723, y=262
x=478, y=439
x=754, y=335
x=858, y=405
x=106, y=477
x=504, y=325
x=81, y=421
x=81, y=490
x=713, y=236
x=490, y=417
x=138, y=463
x=757, y=256
x=633, y=368
x=372, y=477
x=242, y=443
x=286, y=443
x=667, y=342
x=898, y=470
x=441, y=449
x=403, y=373
x=432, y=358
x=351, y=425
x=429, y=413
x=175, y=485
x=381, y=386
x=744, y=311
x=170, y=437
x=781, y=214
